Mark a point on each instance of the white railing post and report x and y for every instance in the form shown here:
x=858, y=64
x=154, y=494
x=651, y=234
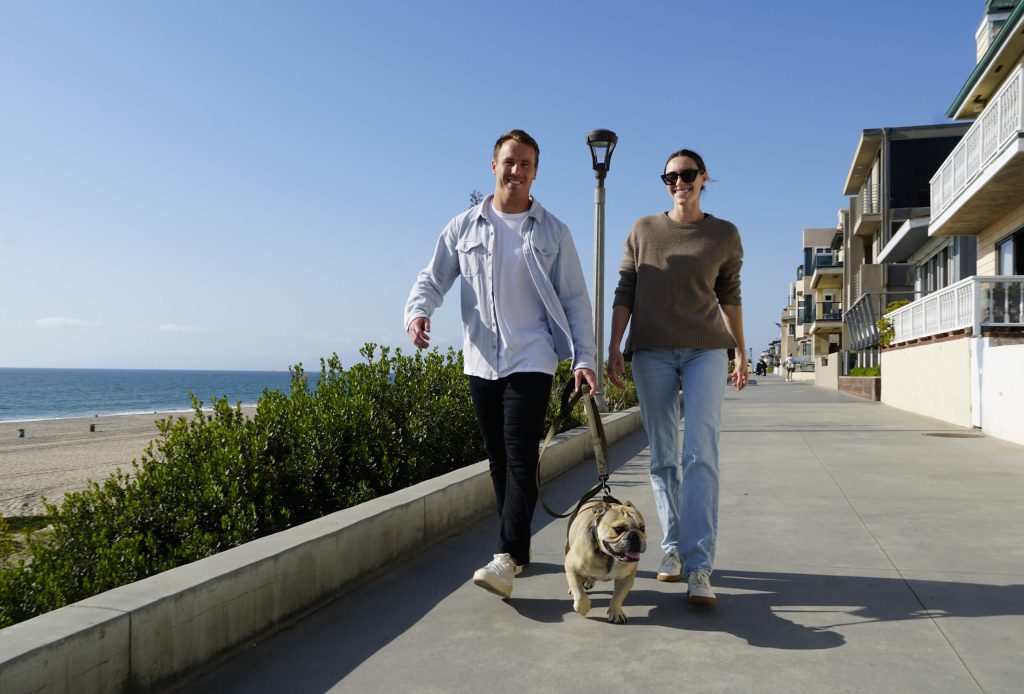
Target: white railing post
x=976, y=303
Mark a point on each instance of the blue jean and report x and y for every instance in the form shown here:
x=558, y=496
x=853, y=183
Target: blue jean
x=686, y=490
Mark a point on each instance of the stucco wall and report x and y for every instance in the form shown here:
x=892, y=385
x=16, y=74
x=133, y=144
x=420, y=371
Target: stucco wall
x=827, y=375
x=1002, y=387
x=933, y=379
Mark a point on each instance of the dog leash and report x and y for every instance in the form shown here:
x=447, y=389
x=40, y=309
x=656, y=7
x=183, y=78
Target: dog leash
x=570, y=397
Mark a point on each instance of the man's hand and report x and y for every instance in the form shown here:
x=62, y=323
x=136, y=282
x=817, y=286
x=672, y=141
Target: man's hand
x=419, y=332
x=589, y=376
x=616, y=366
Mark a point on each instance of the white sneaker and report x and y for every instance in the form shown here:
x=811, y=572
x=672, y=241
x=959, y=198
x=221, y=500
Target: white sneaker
x=670, y=569
x=700, y=587
x=497, y=575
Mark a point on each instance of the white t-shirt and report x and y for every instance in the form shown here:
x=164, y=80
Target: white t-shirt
x=524, y=339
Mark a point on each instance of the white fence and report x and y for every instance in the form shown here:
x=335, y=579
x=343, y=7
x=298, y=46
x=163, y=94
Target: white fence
x=1001, y=120
x=989, y=301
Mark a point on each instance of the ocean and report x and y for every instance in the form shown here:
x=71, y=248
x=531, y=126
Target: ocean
x=34, y=394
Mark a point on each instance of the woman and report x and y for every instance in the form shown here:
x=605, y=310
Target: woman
x=679, y=290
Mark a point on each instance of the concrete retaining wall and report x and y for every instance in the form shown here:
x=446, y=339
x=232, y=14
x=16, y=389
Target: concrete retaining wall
x=147, y=634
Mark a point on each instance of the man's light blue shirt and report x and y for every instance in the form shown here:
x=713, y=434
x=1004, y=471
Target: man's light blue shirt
x=465, y=250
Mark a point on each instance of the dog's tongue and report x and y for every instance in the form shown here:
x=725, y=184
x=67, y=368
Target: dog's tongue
x=633, y=556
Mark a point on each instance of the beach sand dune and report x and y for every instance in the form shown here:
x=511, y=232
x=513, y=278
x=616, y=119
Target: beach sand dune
x=57, y=456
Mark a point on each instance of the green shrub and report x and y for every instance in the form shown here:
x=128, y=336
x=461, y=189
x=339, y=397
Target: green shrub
x=866, y=371
x=885, y=330
x=219, y=479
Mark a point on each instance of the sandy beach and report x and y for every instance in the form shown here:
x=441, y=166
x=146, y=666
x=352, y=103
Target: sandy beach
x=57, y=456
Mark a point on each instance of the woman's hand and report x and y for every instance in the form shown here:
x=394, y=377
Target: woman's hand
x=740, y=373
x=616, y=366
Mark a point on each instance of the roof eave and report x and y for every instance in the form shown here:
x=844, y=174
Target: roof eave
x=961, y=107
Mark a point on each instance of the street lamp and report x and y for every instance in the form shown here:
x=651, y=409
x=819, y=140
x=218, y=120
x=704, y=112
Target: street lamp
x=602, y=144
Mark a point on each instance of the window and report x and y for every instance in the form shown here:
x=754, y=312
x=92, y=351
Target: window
x=1010, y=254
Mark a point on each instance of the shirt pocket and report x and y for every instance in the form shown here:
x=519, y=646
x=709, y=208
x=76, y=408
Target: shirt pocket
x=546, y=251
x=472, y=256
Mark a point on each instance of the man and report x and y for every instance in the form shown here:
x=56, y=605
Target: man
x=524, y=308
x=790, y=367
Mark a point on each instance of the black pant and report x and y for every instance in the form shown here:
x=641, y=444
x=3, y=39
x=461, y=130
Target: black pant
x=510, y=412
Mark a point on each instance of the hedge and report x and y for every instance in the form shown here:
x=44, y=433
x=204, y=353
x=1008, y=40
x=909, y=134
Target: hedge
x=218, y=479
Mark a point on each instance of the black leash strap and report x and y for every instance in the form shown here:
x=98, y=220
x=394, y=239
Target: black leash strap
x=570, y=397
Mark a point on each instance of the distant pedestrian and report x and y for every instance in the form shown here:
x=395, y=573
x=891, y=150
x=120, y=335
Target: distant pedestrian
x=679, y=292
x=762, y=367
x=790, y=367
x=524, y=308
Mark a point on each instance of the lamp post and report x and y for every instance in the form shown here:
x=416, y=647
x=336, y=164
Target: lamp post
x=602, y=144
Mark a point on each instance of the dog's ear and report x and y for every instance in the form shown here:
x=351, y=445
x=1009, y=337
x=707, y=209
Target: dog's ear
x=600, y=509
x=629, y=503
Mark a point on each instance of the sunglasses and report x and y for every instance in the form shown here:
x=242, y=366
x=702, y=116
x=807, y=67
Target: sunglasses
x=688, y=175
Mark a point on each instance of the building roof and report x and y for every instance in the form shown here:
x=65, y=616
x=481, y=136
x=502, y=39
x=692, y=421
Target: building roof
x=871, y=142
x=1004, y=51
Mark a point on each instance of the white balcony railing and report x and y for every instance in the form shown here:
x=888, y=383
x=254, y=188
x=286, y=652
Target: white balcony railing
x=1000, y=122
x=868, y=201
x=975, y=302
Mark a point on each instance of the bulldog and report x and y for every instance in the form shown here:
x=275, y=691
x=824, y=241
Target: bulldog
x=604, y=544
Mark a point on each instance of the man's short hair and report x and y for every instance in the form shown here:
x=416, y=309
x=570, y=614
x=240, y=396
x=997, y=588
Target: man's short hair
x=520, y=136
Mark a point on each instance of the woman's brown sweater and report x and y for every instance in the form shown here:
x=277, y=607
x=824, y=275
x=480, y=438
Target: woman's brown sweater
x=673, y=277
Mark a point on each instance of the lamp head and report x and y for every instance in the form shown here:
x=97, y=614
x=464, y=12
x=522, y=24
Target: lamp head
x=602, y=144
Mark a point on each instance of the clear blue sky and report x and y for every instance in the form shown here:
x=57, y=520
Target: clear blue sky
x=248, y=185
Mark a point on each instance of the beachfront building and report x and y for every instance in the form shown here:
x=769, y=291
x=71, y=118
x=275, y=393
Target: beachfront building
x=884, y=236
x=788, y=343
x=957, y=353
x=823, y=257
x=772, y=354
x=811, y=324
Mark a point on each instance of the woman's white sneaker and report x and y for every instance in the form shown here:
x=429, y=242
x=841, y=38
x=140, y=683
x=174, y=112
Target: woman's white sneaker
x=671, y=569
x=700, y=590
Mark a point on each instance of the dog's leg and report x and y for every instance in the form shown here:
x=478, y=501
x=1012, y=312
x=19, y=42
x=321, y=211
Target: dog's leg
x=622, y=588
x=580, y=599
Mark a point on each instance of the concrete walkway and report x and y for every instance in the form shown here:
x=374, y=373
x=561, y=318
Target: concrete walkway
x=861, y=548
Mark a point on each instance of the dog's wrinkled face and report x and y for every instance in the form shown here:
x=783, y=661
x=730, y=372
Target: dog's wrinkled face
x=621, y=532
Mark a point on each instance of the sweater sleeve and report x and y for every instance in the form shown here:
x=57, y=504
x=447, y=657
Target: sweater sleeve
x=626, y=289
x=727, y=284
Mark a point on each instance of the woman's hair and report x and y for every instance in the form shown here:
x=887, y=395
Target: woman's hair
x=692, y=155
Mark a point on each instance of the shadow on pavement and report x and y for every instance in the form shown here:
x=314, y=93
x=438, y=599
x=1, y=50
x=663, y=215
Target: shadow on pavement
x=795, y=611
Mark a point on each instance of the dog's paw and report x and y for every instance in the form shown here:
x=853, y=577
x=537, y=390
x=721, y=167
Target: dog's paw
x=581, y=606
x=616, y=615
x=588, y=583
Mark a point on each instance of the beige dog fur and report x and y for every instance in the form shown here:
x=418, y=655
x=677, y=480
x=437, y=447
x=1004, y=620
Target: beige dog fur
x=604, y=544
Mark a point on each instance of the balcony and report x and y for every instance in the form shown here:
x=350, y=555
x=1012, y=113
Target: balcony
x=891, y=277
x=827, y=317
x=862, y=318
x=868, y=279
x=982, y=178
x=828, y=271
x=867, y=210
x=974, y=303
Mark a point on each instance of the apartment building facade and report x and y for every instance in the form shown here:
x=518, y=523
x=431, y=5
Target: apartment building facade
x=957, y=353
x=887, y=250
